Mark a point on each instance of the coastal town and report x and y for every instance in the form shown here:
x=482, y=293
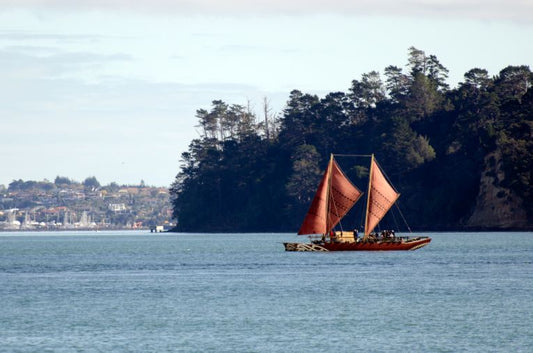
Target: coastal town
x=69, y=205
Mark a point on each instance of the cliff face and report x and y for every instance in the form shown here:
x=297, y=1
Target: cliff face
x=496, y=206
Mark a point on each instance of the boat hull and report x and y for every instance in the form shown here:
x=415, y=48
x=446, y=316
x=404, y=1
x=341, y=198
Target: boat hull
x=404, y=244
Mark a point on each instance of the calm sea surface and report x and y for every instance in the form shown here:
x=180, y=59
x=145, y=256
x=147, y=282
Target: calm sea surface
x=141, y=292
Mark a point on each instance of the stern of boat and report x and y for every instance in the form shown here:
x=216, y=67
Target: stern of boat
x=303, y=247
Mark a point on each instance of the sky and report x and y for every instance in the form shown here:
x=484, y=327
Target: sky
x=110, y=88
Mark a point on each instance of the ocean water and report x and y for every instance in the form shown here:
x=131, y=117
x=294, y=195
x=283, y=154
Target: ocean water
x=142, y=292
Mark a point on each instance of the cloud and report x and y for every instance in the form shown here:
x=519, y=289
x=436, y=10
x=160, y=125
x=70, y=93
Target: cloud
x=65, y=126
x=513, y=10
x=31, y=36
x=20, y=62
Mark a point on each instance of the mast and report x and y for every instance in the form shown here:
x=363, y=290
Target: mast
x=328, y=191
x=365, y=236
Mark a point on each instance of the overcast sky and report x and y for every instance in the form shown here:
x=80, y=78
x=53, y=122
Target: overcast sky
x=109, y=88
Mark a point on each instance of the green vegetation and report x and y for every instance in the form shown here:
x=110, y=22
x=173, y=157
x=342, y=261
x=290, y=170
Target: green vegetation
x=452, y=153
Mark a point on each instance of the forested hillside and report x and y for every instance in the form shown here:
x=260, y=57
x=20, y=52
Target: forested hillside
x=461, y=157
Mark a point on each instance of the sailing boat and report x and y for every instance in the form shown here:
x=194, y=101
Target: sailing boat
x=335, y=196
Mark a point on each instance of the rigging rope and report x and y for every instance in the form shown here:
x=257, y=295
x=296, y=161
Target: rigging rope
x=394, y=218
x=404, y=220
x=352, y=155
x=336, y=213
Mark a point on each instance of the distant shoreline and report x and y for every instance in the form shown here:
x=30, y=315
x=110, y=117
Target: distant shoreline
x=147, y=230
x=73, y=230
x=421, y=230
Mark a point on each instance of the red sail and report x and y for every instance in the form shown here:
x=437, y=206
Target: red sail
x=342, y=196
x=324, y=214
x=315, y=219
x=381, y=197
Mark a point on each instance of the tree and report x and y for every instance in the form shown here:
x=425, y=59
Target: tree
x=303, y=180
x=417, y=61
x=477, y=110
x=267, y=116
x=513, y=82
x=515, y=142
x=427, y=84
x=369, y=91
x=208, y=124
x=246, y=121
x=113, y=187
x=91, y=183
x=220, y=118
x=397, y=83
x=59, y=180
x=404, y=149
x=478, y=79
x=437, y=73
x=299, y=119
x=423, y=98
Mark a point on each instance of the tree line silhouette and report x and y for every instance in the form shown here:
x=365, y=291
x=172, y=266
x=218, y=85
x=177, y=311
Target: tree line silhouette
x=250, y=172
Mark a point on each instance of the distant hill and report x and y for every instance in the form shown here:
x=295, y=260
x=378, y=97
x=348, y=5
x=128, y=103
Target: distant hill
x=67, y=204
x=461, y=157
